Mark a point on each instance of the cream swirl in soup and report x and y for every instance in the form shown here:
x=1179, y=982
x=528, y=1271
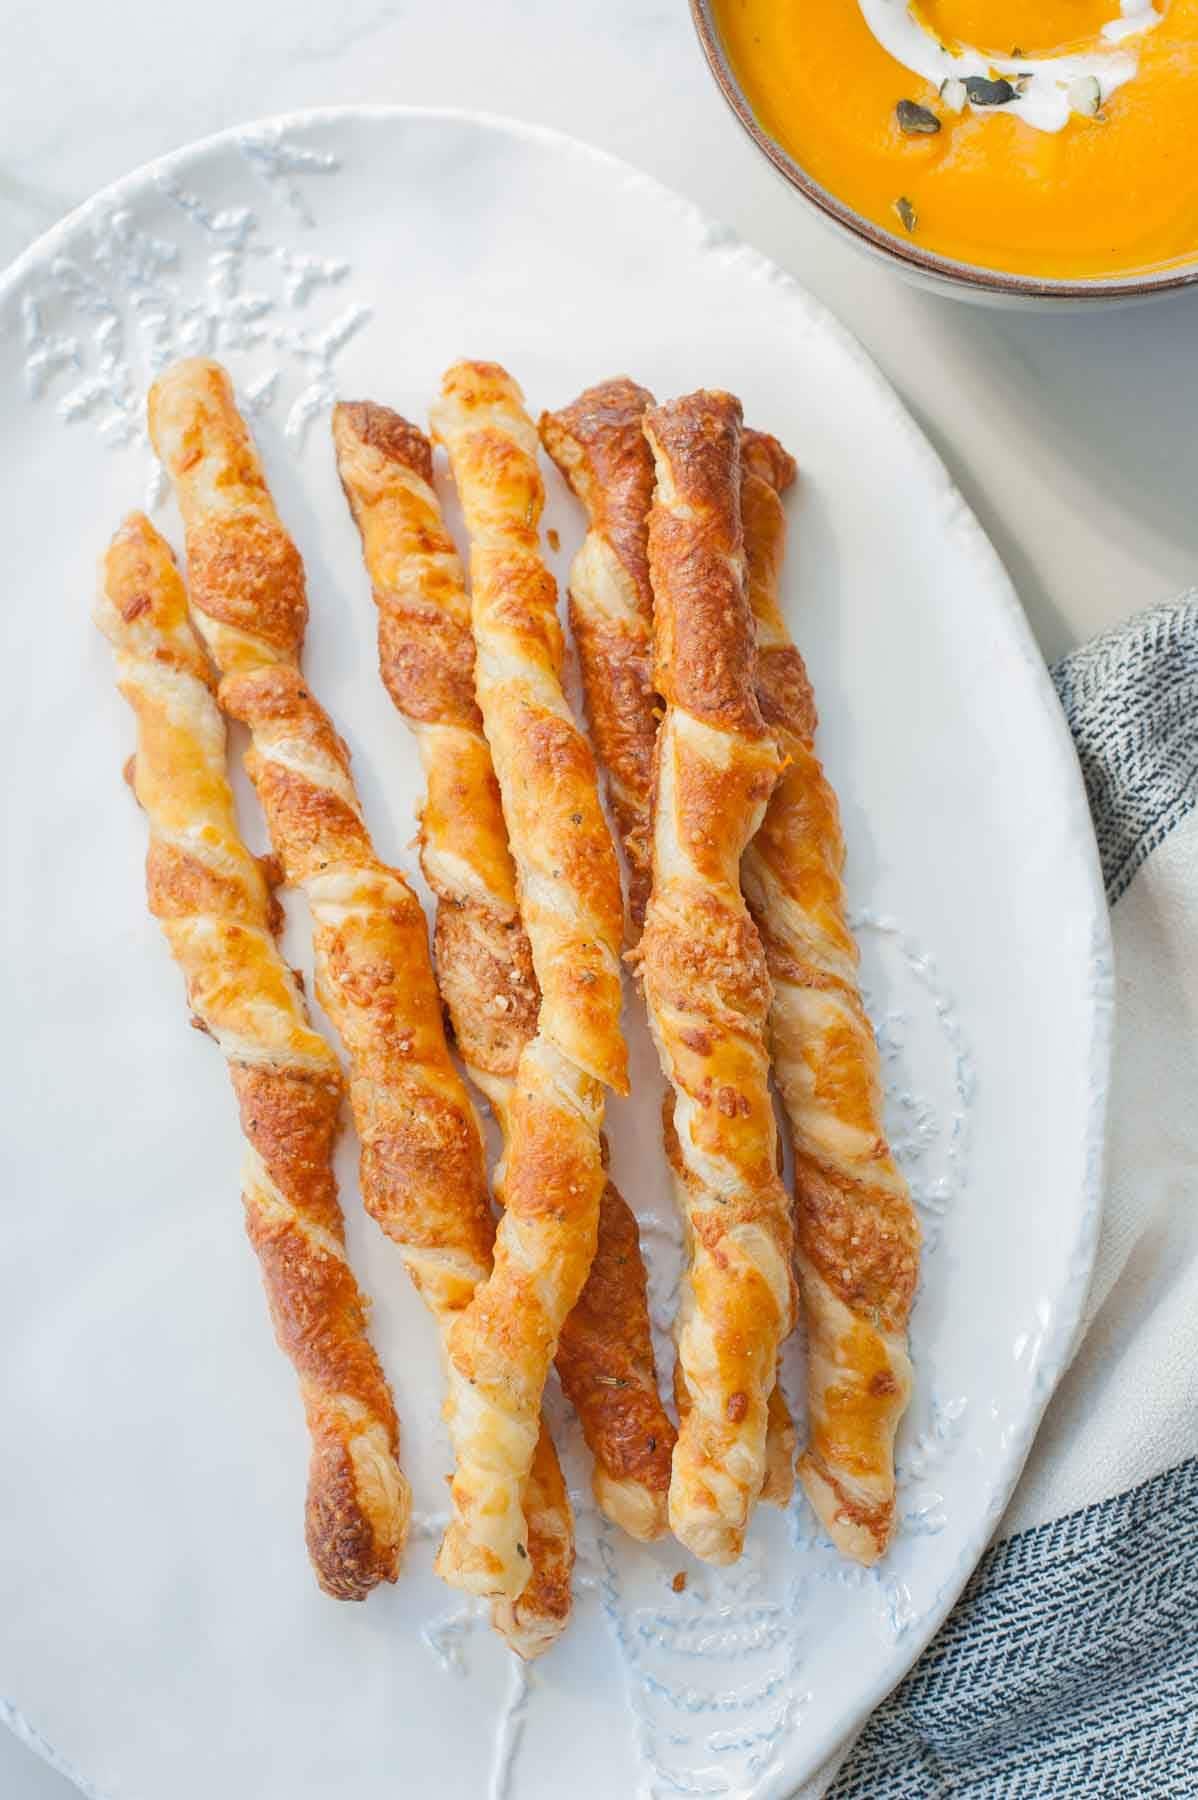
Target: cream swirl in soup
x=1096, y=58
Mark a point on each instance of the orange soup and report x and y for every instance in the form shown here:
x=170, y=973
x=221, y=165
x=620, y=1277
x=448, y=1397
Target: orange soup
x=1044, y=137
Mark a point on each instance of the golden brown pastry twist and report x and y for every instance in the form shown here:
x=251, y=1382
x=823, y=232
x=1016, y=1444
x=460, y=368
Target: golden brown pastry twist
x=569, y=893
x=215, y=908
x=483, y=957
x=422, y=1170
x=858, y=1236
x=705, y=978
x=599, y=444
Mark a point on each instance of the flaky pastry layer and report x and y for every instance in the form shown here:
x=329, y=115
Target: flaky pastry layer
x=569, y=898
x=422, y=1169
x=705, y=979
x=857, y=1233
x=212, y=900
x=483, y=957
x=599, y=445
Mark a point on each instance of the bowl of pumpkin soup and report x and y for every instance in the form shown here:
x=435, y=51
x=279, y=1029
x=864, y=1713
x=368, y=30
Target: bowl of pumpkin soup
x=1043, y=149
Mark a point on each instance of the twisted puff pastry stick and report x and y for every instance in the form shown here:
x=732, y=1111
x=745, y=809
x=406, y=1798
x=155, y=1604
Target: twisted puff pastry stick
x=705, y=978
x=216, y=911
x=422, y=1170
x=483, y=957
x=598, y=443
x=858, y=1236
x=569, y=892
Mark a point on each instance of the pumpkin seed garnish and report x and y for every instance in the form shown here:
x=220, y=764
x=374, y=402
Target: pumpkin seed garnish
x=906, y=212
x=984, y=92
x=916, y=121
x=1085, y=96
x=954, y=94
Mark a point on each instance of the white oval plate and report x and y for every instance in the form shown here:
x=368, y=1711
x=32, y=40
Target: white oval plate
x=160, y=1632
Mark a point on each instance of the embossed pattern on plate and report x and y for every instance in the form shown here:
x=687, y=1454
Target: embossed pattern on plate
x=161, y=1632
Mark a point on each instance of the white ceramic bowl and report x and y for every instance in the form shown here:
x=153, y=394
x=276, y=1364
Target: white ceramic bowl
x=943, y=274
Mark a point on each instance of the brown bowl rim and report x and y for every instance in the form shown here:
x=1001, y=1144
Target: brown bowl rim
x=926, y=262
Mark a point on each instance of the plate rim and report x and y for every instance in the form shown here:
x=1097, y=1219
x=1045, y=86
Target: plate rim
x=821, y=1743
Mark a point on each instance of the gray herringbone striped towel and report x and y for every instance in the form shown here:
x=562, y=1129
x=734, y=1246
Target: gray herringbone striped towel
x=1069, y=1668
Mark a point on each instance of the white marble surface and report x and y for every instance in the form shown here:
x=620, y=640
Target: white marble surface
x=1073, y=437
